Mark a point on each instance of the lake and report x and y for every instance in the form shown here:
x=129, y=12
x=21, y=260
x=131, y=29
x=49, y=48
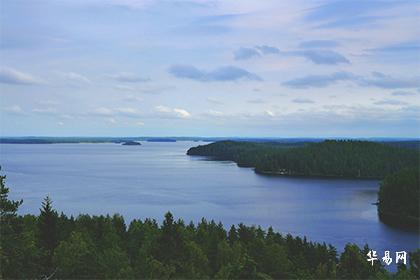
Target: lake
x=149, y=180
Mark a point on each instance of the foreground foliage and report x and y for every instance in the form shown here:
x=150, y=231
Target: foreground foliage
x=331, y=158
x=56, y=246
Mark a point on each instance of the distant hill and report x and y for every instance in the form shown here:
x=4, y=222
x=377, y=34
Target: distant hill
x=161, y=140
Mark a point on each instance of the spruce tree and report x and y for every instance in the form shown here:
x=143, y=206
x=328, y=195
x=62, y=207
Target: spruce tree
x=10, y=241
x=8, y=208
x=48, y=233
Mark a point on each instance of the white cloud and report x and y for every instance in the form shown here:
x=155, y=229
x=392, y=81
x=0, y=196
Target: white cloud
x=172, y=112
x=103, y=111
x=132, y=98
x=124, y=88
x=182, y=113
x=163, y=109
x=112, y=112
x=75, y=77
x=214, y=113
x=15, y=109
x=127, y=111
x=46, y=111
x=270, y=113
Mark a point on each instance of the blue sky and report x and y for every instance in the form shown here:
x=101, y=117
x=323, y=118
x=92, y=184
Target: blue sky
x=210, y=68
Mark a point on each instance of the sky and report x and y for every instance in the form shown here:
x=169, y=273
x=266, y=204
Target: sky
x=244, y=68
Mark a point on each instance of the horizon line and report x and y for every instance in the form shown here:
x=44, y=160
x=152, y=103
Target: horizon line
x=240, y=137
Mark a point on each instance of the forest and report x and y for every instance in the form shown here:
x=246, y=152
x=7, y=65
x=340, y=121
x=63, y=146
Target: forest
x=52, y=245
x=330, y=158
x=399, y=199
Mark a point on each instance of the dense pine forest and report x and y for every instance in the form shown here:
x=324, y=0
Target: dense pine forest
x=330, y=158
x=399, y=199
x=52, y=245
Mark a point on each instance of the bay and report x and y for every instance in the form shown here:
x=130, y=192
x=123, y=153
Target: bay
x=149, y=180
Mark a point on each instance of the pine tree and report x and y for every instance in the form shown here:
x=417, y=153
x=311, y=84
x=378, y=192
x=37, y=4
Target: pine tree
x=232, y=235
x=8, y=208
x=171, y=245
x=48, y=233
x=9, y=240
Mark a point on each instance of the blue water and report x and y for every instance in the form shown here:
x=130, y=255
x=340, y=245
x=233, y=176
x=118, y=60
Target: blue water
x=149, y=180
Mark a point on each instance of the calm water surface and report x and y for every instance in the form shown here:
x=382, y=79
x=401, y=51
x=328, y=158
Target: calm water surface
x=148, y=180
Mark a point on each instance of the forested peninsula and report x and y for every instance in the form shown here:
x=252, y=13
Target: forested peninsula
x=330, y=158
x=54, y=246
x=399, y=199
x=397, y=165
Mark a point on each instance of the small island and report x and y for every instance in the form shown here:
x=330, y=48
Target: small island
x=131, y=143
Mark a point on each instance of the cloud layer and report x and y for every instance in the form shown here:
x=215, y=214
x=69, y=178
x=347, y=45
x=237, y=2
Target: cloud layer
x=317, y=56
x=376, y=80
x=221, y=74
x=127, y=77
x=266, y=68
x=12, y=76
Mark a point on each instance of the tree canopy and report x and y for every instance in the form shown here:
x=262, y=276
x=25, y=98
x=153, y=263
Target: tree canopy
x=399, y=199
x=50, y=245
x=331, y=158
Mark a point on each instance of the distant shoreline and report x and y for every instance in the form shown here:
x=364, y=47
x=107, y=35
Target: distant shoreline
x=415, y=142
x=320, y=176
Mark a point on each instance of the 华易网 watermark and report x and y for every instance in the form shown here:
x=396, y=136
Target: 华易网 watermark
x=400, y=257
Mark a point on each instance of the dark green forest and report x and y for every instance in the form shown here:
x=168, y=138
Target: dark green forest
x=52, y=246
x=330, y=158
x=399, y=199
